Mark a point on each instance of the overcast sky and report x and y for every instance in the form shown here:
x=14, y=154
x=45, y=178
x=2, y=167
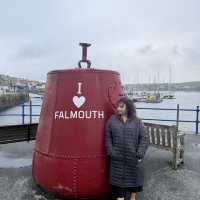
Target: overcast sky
x=140, y=39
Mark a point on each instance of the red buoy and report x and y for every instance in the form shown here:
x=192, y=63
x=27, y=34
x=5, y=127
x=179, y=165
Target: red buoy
x=69, y=155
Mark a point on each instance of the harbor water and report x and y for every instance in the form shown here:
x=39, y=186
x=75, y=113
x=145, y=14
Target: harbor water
x=186, y=100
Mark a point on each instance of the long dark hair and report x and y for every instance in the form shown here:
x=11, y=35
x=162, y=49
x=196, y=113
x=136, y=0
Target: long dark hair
x=129, y=105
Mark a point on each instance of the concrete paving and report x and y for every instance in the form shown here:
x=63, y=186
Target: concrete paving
x=161, y=182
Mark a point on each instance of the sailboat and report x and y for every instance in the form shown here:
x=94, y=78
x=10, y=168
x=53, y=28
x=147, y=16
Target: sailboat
x=155, y=97
x=169, y=94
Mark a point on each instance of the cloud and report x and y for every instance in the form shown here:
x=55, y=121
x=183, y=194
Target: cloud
x=132, y=37
x=33, y=51
x=147, y=49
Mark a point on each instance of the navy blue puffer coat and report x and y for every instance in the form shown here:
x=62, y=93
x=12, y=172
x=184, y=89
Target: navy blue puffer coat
x=125, y=144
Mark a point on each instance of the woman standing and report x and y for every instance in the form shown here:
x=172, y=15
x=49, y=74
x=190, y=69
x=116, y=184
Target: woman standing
x=126, y=142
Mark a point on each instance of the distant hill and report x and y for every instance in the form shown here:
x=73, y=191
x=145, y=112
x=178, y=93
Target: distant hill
x=7, y=80
x=184, y=86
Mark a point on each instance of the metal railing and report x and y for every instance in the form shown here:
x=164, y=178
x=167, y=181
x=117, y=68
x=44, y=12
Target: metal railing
x=177, y=109
x=177, y=120
x=23, y=114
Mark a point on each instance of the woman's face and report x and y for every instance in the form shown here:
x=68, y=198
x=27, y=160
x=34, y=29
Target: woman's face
x=121, y=108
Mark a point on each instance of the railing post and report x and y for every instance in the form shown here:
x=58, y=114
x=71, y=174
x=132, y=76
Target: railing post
x=30, y=121
x=177, y=116
x=23, y=113
x=197, y=120
x=30, y=112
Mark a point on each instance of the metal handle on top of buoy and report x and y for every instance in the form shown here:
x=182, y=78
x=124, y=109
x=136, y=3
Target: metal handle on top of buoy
x=84, y=55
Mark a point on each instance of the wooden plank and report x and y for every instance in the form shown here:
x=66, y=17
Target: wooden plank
x=152, y=134
x=17, y=133
x=158, y=136
x=163, y=136
x=156, y=125
x=149, y=132
x=168, y=138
